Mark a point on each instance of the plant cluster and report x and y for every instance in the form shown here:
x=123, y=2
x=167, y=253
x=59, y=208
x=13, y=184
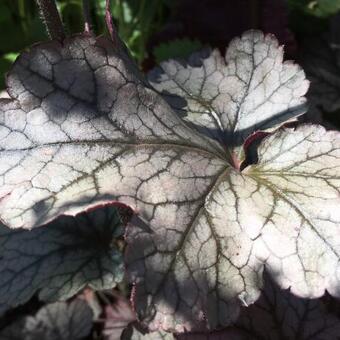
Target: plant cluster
x=194, y=190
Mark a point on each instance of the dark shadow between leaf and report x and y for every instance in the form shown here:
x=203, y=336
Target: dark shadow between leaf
x=280, y=315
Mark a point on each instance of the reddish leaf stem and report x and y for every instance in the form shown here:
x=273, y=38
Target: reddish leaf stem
x=109, y=22
x=51, y=19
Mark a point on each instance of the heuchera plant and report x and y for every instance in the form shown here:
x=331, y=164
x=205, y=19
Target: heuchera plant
x=220, y=185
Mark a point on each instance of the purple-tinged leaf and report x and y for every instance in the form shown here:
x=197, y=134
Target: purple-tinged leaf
x=118, y=316
x=91, y=298
x=84, y=128
x=282, y=212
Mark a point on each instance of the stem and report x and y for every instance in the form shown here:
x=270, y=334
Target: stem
x=109, y=23
x=87, y=16
x=51, y=19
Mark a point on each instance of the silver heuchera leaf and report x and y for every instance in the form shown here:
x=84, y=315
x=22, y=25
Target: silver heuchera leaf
x=282, y=212
x=83, y=127
x=57, y=321
x=230, y=98
x=61, y=258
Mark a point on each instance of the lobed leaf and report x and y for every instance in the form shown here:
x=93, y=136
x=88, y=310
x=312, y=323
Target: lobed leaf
x=80, y=128
x=83, y=128
x=61, y=258
x=230, y=98
x=282, y=212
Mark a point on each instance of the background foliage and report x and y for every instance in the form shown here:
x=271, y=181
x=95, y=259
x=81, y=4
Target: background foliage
x=155, y=30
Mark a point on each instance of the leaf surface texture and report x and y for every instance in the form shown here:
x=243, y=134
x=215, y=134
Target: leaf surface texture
x=83, y=127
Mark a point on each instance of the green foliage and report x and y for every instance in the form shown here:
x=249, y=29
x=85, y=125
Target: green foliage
x=22, y=26
x=317, y=8
x=20, y=21
x=137, y=20
x=6, y=60
x=311, y=17
x=72, y=15
x=179, y=48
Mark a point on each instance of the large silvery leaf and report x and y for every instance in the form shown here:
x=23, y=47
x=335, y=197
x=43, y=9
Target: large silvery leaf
x=83, y=127
x=282, y=212
x=59, y=259
x=57, y=321
x=232, y=97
